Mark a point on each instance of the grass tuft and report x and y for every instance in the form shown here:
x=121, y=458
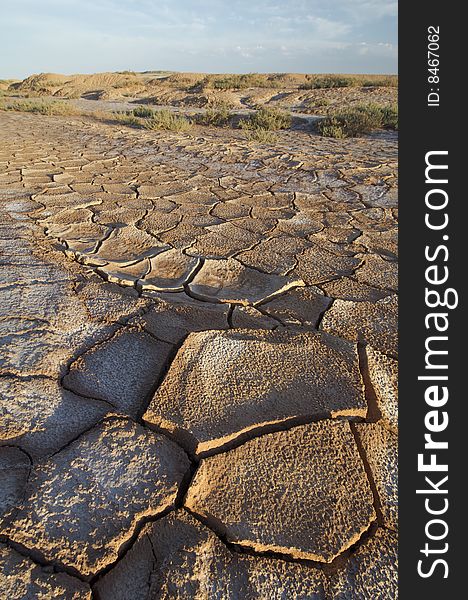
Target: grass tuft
x=263, y=136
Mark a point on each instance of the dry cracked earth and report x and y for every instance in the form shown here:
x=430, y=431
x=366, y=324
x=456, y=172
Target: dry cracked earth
x=197, y=364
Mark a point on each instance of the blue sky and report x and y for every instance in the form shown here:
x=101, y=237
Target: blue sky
x=84, y=36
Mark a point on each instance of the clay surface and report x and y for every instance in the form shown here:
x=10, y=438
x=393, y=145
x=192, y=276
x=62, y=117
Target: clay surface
x=208, y=399
x=197, y=348
x=275, y=493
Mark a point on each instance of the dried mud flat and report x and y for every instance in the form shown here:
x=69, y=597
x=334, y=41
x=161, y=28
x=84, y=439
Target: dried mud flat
x=197, y=365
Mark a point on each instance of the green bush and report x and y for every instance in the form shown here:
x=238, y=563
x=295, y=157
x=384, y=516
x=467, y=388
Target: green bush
x=240, y=82
x=167, y=120
x=259, y=126
x=263, y=136
x=42, y=107
x=127, y=118
x=318, y=103
x=390, y=116
x=358, y=120
x=153, y=119
x=328, y=81
x=331, y=127
x=217, y=115
x=390, y=81
x=142, y=112
x=268, y=119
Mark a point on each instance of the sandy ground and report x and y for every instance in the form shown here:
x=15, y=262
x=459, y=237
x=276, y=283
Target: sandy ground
x=187, y=91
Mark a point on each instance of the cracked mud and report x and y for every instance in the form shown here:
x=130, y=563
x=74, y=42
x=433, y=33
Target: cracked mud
x=198, y=363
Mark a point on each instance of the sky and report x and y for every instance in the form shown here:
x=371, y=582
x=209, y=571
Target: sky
x=213, y=36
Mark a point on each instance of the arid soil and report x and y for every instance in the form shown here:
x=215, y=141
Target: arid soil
x=197, y=364
x=287, y=91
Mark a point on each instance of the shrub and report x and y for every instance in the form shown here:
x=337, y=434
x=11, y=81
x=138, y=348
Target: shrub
x=319, y=103
x=142, y=112
x=328, y=81
x=390, y=116
x=269, y=119
x=358, y=120
x=42, y=107
x=166, y=119
x=339, y=81
x=331, y=127
x=127, y=118
x=217, y=115
x=390, y=81
x=262, y=136
x=233, y=82
x=241, y=82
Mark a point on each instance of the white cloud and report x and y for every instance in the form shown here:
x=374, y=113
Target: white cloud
x=368, y=10
x=220, y=35
x=328, y=29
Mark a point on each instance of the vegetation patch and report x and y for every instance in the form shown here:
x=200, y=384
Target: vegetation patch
x=358, y=120
x=390, y=81
x=261, y=125
x=328, y=81
x=315, y=82
x=318, y=103
x=390, y=116
x=153, y=119
x=143, y=112
x=241, y=82
x=263, y=136
x=42, y=107
x=167, y=120
x=126, y=118
x=268, y=119
x=217, y=115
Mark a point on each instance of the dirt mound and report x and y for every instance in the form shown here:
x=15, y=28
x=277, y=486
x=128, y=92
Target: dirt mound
x=6, y=83
x=297, y=91
x=184, y=79
x=74, y=86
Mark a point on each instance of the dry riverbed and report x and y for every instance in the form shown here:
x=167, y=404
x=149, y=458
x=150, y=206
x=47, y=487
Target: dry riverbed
x=198, y=362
